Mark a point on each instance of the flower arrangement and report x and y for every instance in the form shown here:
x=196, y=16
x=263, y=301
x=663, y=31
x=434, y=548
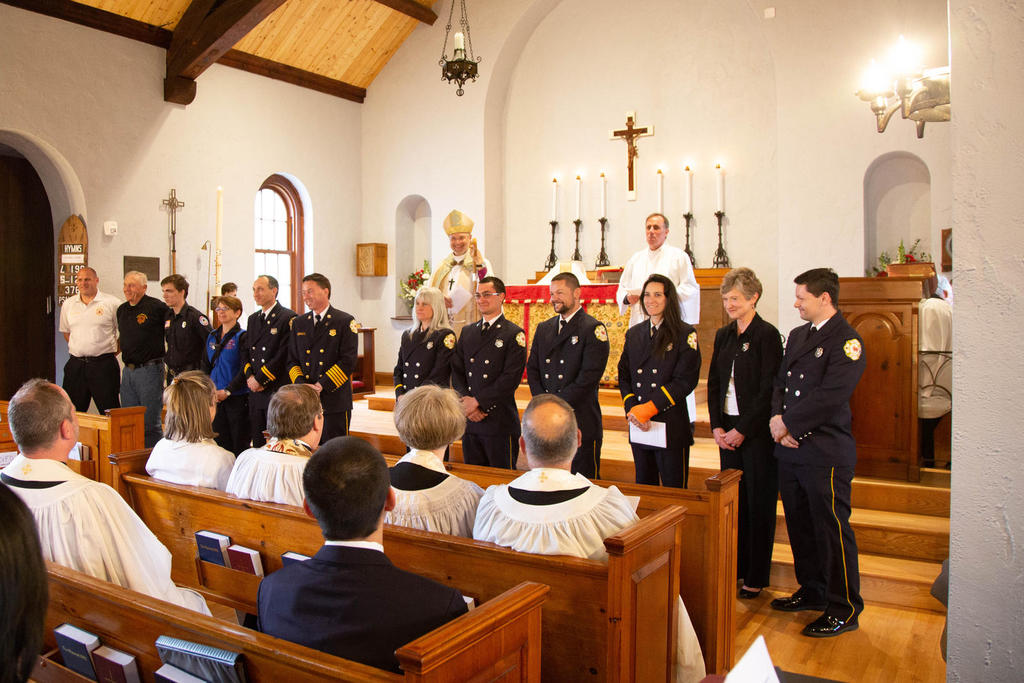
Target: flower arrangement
x=903, y=255
x=413, y=281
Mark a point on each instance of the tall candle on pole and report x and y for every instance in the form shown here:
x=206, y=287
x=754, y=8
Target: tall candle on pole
x=688, y=187
x=661, y=191
x=554, y=199
x=579, y=197
x=220, y=232
x=604, y=196
x=720, y=187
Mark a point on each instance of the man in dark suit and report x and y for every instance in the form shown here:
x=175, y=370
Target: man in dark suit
x=486, y=370
x=568, y=356
x=265, y=355
x=811, y=425
x=349, y=600
x=322, y=351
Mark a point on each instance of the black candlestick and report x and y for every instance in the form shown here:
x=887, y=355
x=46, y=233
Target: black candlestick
x=721, y=258
x=688, y=216
x=552, y=258
x=576, y=255
x=602, y=258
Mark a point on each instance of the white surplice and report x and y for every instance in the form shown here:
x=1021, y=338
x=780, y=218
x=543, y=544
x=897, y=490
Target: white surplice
x=203, y=463
x=269, y=476
x=448, y=508
x=575, y=527
x=87, y=526
x=458, y=281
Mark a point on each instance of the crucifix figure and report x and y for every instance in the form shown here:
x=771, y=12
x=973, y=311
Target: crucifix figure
x=173, y=204
x=630, y=133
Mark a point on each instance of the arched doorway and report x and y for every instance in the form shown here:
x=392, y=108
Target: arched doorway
x=897, y=206
x=412, y=242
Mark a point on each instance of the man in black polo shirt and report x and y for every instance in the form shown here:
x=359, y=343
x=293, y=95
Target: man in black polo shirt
x=185, y=330
x=140, y=325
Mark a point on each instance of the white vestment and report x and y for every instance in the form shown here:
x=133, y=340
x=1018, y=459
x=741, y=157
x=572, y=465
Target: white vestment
x=448, y=508
x=193, y=464
x=575, y=527
x=459, y=283
x=87, y=526
x=935, y=343
x=269, y=476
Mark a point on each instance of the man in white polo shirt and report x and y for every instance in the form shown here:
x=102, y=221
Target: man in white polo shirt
x=88, y=322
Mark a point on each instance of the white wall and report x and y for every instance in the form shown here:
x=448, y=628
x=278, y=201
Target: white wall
x=97, y=100
x=986, y=607
x=897, y=207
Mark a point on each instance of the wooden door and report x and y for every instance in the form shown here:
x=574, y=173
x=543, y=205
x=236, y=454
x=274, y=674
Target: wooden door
x=27, y=308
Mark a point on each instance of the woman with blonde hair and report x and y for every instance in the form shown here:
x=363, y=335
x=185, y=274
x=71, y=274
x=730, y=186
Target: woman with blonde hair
x=428, y=419
x=425, y=356
x=188, y=453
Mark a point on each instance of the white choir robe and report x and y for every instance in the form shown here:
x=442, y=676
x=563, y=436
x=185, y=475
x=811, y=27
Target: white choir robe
x=673, y=263
x=268, y=476
x=448, y=508
x=86, y=526
x=459, y=278
x=575, y=527
x=203, y=463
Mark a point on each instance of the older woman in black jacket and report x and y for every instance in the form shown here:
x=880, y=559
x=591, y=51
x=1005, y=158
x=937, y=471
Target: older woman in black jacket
x=746, y=358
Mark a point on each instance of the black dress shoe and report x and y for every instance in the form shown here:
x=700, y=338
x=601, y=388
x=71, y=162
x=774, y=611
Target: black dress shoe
x=746, y=594
x=797, y=603
x=827, y=626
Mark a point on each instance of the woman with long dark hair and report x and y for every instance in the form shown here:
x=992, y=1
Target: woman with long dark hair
x=23, y=590
x=659, y=367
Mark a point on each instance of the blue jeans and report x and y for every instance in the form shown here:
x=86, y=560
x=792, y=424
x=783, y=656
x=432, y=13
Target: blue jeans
x=145, y=387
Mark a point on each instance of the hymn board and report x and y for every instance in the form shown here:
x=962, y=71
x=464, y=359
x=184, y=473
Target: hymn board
x=73, y=248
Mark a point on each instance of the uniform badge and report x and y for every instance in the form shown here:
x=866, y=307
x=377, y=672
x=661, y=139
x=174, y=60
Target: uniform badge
x=574, y=340
x=333, y=332
x=99, y=311
x=184, y=323
x=273, y=330
x=430, y=345
x=354, y=326
x=601, y=333
x=691, y=340
x=291, y=321
x=852, y=349
x=499, y=343
x=449, y=341
x=202, y=321
x=746, y=345
x=818, y=351
x=521, y=339
x=669, y=347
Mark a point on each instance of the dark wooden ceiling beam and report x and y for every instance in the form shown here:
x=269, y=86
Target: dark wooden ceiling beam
x=290, y=74
x=410, y=8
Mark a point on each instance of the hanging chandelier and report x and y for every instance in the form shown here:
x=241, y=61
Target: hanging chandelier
x=462, y=66
x=902, y=85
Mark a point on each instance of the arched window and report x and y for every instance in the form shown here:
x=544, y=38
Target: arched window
x=278, y=237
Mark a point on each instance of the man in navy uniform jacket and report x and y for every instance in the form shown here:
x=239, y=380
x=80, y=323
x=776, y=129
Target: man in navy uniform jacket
x=265, y=356
x=349, y=600
x=487, y=368
x=568, y=356
x=816, y=452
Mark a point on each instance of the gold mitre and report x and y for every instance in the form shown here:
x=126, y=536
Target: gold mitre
x=457, y=222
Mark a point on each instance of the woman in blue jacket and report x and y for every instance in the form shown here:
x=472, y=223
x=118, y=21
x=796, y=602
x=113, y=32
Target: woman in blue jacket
x=222, y=360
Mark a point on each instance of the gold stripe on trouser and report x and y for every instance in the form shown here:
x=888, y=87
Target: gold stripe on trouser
x=510, y=464
x=842, y=547
x=594, y=454
x=346, y=422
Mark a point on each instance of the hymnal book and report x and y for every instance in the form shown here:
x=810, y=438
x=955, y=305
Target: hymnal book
x=168, y=673
x=213, y=547
x=114, y=666
x=245, y=560
x=291, y=557
x=76, y=646
x=470, y=602
x=79, y=452
x=211, y=664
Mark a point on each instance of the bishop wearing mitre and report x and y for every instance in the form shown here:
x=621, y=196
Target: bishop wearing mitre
x=458, y=273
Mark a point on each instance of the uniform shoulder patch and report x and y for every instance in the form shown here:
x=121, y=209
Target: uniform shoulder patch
x=354, y=326
x=521, y=339
x=852, y=349
x=203, y=321
x=449, y=340
x=601, y=333
x=691, y=340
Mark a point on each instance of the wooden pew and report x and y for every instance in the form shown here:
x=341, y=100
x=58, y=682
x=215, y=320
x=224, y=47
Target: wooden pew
x=707, y=576
x=500, y=640
x=121, y=429
x=614, y=621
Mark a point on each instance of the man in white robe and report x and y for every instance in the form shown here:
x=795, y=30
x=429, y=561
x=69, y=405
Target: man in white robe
x=664, y=259
x=83, y=524
x=459, y=272
x=549, y=511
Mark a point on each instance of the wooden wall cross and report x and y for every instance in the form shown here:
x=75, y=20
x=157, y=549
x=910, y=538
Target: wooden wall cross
x=173, y=204
x=630, y=133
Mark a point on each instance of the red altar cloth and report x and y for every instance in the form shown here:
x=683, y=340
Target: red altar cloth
x=539, y=294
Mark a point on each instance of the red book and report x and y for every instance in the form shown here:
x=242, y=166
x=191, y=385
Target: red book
x=114, y=666
x=245, y=559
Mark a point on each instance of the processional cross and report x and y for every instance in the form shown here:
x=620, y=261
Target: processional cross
x=173, y=204
x=630, y=133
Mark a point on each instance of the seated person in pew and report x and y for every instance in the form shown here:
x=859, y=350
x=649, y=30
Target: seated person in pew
x=349, y=600
x=188, y=454
x=549, y=511
x=82, y=524
x=273, y=473
x=428, y=420
x=23, y=589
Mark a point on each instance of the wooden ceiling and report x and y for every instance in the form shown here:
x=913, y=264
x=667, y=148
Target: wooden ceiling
x=334, y=46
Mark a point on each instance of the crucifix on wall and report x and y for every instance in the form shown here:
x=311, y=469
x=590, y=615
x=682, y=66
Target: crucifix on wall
x=173, y=204
x=630, y=133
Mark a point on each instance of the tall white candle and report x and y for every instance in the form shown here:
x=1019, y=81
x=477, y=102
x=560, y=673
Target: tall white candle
x=460, y=42
x=604, y=196
x=220, y=229
x=661, y=191
x=720, y=194
x=554, y=199
x=579, y=197
x=688, y=187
